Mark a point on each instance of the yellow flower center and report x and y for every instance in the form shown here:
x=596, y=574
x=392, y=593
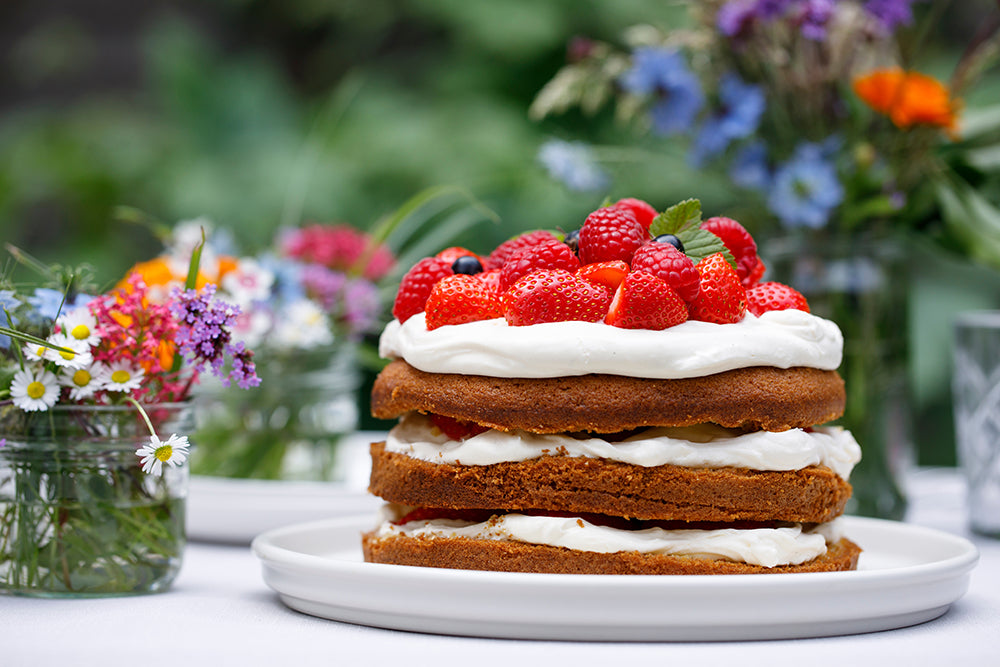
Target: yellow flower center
x=68, y=356
x=81, y=378
x=164, y=452
x=36, y=389
x=80, y=331
x=120, y=377
x=40, y=351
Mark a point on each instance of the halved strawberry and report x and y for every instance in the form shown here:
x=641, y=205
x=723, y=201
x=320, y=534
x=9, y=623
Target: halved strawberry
x=643, y=301
x=416, y=286
x=722, y=298
x=755, y=275
x=542, y=255
x=553, y=295
x=460, y=299
x=607, y=274
x=774, y=296
x=457, y=429
x=738, y=240
x=432, y=513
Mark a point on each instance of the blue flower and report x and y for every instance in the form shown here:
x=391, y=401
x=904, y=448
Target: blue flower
x=664, y=74
x=46, y=302
x=8, y=302
x=573, y=164
x=287, y=277
x=805, y=189
x=742, y=106
x=749, y=168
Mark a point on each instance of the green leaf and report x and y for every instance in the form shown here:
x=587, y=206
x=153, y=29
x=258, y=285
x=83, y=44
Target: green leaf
x=192, y=276
x=700, y=243
x=678, y=218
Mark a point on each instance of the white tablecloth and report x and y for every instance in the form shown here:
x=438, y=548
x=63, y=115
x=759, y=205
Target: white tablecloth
x=220, y=612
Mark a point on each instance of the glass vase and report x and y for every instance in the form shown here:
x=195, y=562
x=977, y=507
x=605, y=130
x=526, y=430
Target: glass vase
x=859, y=283
x=79, y=516
x=289, y=427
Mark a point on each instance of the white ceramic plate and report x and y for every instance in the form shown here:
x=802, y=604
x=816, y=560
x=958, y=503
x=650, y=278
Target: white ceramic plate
x=237, y=510
x=907, y=575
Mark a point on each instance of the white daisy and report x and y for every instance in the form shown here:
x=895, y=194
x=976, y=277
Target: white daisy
x=155, y=453
x=36, y=352
x=82, y=382
x=34, y=391
x=121, y=376
x=80, y=357
x=79, y=324
x=248, y=282
x=302, y=324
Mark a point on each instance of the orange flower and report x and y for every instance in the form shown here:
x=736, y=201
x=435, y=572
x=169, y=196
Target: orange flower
x=908, y=98
x=156, y=272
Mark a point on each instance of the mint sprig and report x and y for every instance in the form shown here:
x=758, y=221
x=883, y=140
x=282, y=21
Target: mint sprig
x=683, y=220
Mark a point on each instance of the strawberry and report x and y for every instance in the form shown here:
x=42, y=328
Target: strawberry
x=432, y=513
x=497, y=258
x=643, y=301
x=738, y=240
x=774, y=296
x=457, y=429
x=610, y=234
x=554, y=295
x=491, y=278
x=642, y=211
x=671, y=265
x=608, y=274
x=543, y=255
x=459, y=299
x=451, y=254
x=755, y=275
x=416, y=286
x=722, y=298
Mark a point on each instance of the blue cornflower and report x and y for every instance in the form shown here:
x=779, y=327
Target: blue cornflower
x=889, y=14
x=805, y=189
x=664, y=74
x=573, y=164
x=742, y=105
x=287, y=277
x=749, y=168
x=46, y=302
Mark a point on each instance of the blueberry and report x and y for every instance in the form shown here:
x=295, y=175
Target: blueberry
x=467, y=264
x=671, y=239
x=573, y=240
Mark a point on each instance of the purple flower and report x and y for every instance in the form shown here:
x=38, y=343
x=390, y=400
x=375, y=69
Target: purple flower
x=361, y=306
x=805, y=190
x=813, y=17
x=749, y=168
x=734, y=17
x=573, y=164
x=889, y=14
x=664, y=74
x=742, y=105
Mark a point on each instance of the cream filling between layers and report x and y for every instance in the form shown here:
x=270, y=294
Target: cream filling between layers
x=782, y=339
x=767, y=547
x=701, y=446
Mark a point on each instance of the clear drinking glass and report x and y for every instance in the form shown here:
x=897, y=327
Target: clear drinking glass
x=976, y=387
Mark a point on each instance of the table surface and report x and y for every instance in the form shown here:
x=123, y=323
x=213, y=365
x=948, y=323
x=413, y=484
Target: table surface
x=220, y=611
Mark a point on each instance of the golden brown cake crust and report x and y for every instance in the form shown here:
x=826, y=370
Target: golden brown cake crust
x=755, y=398
x=589, y=485
x=494, y=555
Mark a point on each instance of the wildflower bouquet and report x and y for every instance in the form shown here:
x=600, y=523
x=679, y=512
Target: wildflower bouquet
x=91, y=498
x=305, y=303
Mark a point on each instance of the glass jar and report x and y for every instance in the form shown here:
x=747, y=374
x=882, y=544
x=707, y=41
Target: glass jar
x=78, y=516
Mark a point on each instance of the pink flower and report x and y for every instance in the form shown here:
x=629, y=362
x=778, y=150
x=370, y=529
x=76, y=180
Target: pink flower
x=338, y=247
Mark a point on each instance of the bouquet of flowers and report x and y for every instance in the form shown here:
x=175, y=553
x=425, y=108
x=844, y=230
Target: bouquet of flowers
x=305, y=303
x=89, y=504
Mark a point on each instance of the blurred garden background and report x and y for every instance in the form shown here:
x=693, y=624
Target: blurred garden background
x=257, y=114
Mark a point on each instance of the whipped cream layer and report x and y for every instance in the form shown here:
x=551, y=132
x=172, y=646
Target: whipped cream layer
x=782, y=339
x=701, y=446
x=768, y=547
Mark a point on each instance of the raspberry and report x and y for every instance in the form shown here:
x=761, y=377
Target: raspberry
x=543, y=255
x=643, y=301
x=774, y=296
x=643, y=212
x=497, y=258
x=608, y=274
x=553, y=295
x=671, y=265
x=457, y=429
x=738, y=240
x=416, y=286
x=722, y=298
x=610, y=234
x=459, y=299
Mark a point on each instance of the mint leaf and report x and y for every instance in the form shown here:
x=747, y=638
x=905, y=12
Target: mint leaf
x=678, y=218
x=700, y=243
